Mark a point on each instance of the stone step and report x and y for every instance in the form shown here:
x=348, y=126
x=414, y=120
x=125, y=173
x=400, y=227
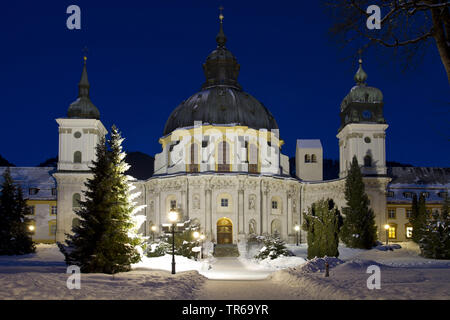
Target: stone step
x=226, y=250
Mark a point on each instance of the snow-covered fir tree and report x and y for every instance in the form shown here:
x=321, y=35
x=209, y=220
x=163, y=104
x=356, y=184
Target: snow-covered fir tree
x=106, y=240
x=15, y=237
x=435, y=234
x=322, y=223
x=359, y=229
x=274, y=247
x=418, y=217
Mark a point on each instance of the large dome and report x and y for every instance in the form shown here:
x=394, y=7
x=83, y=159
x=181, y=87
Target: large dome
x=221, y=100
x=221, y=105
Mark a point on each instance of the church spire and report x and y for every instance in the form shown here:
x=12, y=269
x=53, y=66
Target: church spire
x=221, y=38
x=361, y=75
x=83, y=85
x=83, y=107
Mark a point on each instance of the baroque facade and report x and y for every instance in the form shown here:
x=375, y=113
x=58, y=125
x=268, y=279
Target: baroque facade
x=221, y=164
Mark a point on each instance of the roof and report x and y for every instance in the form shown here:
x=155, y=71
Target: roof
x=407, y=181
x=309, y=144
x=33, y=177
x=419, y=176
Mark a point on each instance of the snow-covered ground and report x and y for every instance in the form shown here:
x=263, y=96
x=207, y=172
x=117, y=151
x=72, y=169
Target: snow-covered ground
x=404, y=275
x=42, y=275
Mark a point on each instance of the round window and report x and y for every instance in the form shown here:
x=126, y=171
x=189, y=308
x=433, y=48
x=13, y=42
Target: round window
x=367, y=140
x=77, y=134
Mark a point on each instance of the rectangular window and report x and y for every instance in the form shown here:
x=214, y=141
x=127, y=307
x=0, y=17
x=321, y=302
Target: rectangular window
x=33, y=191
x=409, y=232
x=443, y=194
x=391, y=213
x=408, y=213
x=173, y=204
x=53, y=191
x=390, y=194
x=54, y=210
x=32, y=210
x=274, y=204
x=392, y=232
x=224, y=202
x=53, y=229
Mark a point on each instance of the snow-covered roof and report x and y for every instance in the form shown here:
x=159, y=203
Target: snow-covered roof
x=407, y=181
x=40, y=178
x=309, y=144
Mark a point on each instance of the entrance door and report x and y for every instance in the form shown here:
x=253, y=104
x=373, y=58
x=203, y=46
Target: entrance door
x=224, y=231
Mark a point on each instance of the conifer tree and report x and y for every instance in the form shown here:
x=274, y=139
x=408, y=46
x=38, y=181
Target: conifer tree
x=15, y=238
x=359, y=229
x=274, y=247
x=104, y=241
x=322, y=223
x=435, y=234
x=418, y=217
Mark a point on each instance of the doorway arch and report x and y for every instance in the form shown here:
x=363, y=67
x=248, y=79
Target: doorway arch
x=224, y=231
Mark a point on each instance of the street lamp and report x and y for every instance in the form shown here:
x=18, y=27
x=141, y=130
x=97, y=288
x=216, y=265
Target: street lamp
x=196, y=235
x=153, y=229
x=202, y=238
x=173, y=217
x=297, y=230
x=386, y=227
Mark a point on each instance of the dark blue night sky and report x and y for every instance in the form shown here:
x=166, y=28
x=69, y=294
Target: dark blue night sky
x=145, y=57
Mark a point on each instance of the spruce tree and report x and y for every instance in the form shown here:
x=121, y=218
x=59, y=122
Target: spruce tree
x=435, y=234
x=359, y=229
x=104, y=241
x=15, y=238
x=274, y=247
x=418, y=217
x=322, y=223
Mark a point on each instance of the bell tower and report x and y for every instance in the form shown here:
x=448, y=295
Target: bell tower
x=80, y=132
x=363, y=127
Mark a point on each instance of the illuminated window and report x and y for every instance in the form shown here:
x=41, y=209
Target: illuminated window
x=391, y=213
x=392, y=232
x=224, y=202
x=409, y=230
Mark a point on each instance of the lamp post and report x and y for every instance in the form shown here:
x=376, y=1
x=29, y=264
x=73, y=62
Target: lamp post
x=173, y=217
x=202, y=238
x=153, y=229
x=297, y=230
x=386, y=227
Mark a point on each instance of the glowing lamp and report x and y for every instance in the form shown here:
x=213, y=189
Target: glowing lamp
x=173, y=216
x=31, y=228
x=386, y=227
x=154, y=228
x=297, y=228
x=196, y=235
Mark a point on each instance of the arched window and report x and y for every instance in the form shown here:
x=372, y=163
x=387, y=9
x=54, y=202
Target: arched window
x=307, y=158
x=252, y=158
x=76, y=201
x=313, y=158
x=194, y=158
x=367, y=161
x=77, y=157
x=224, y=154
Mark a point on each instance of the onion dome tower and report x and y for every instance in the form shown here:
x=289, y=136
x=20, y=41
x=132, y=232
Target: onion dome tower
x=83, y=108
x=362, y=130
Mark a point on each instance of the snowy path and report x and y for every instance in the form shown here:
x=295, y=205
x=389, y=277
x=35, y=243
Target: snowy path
x=248, y=290
x=234, y=269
